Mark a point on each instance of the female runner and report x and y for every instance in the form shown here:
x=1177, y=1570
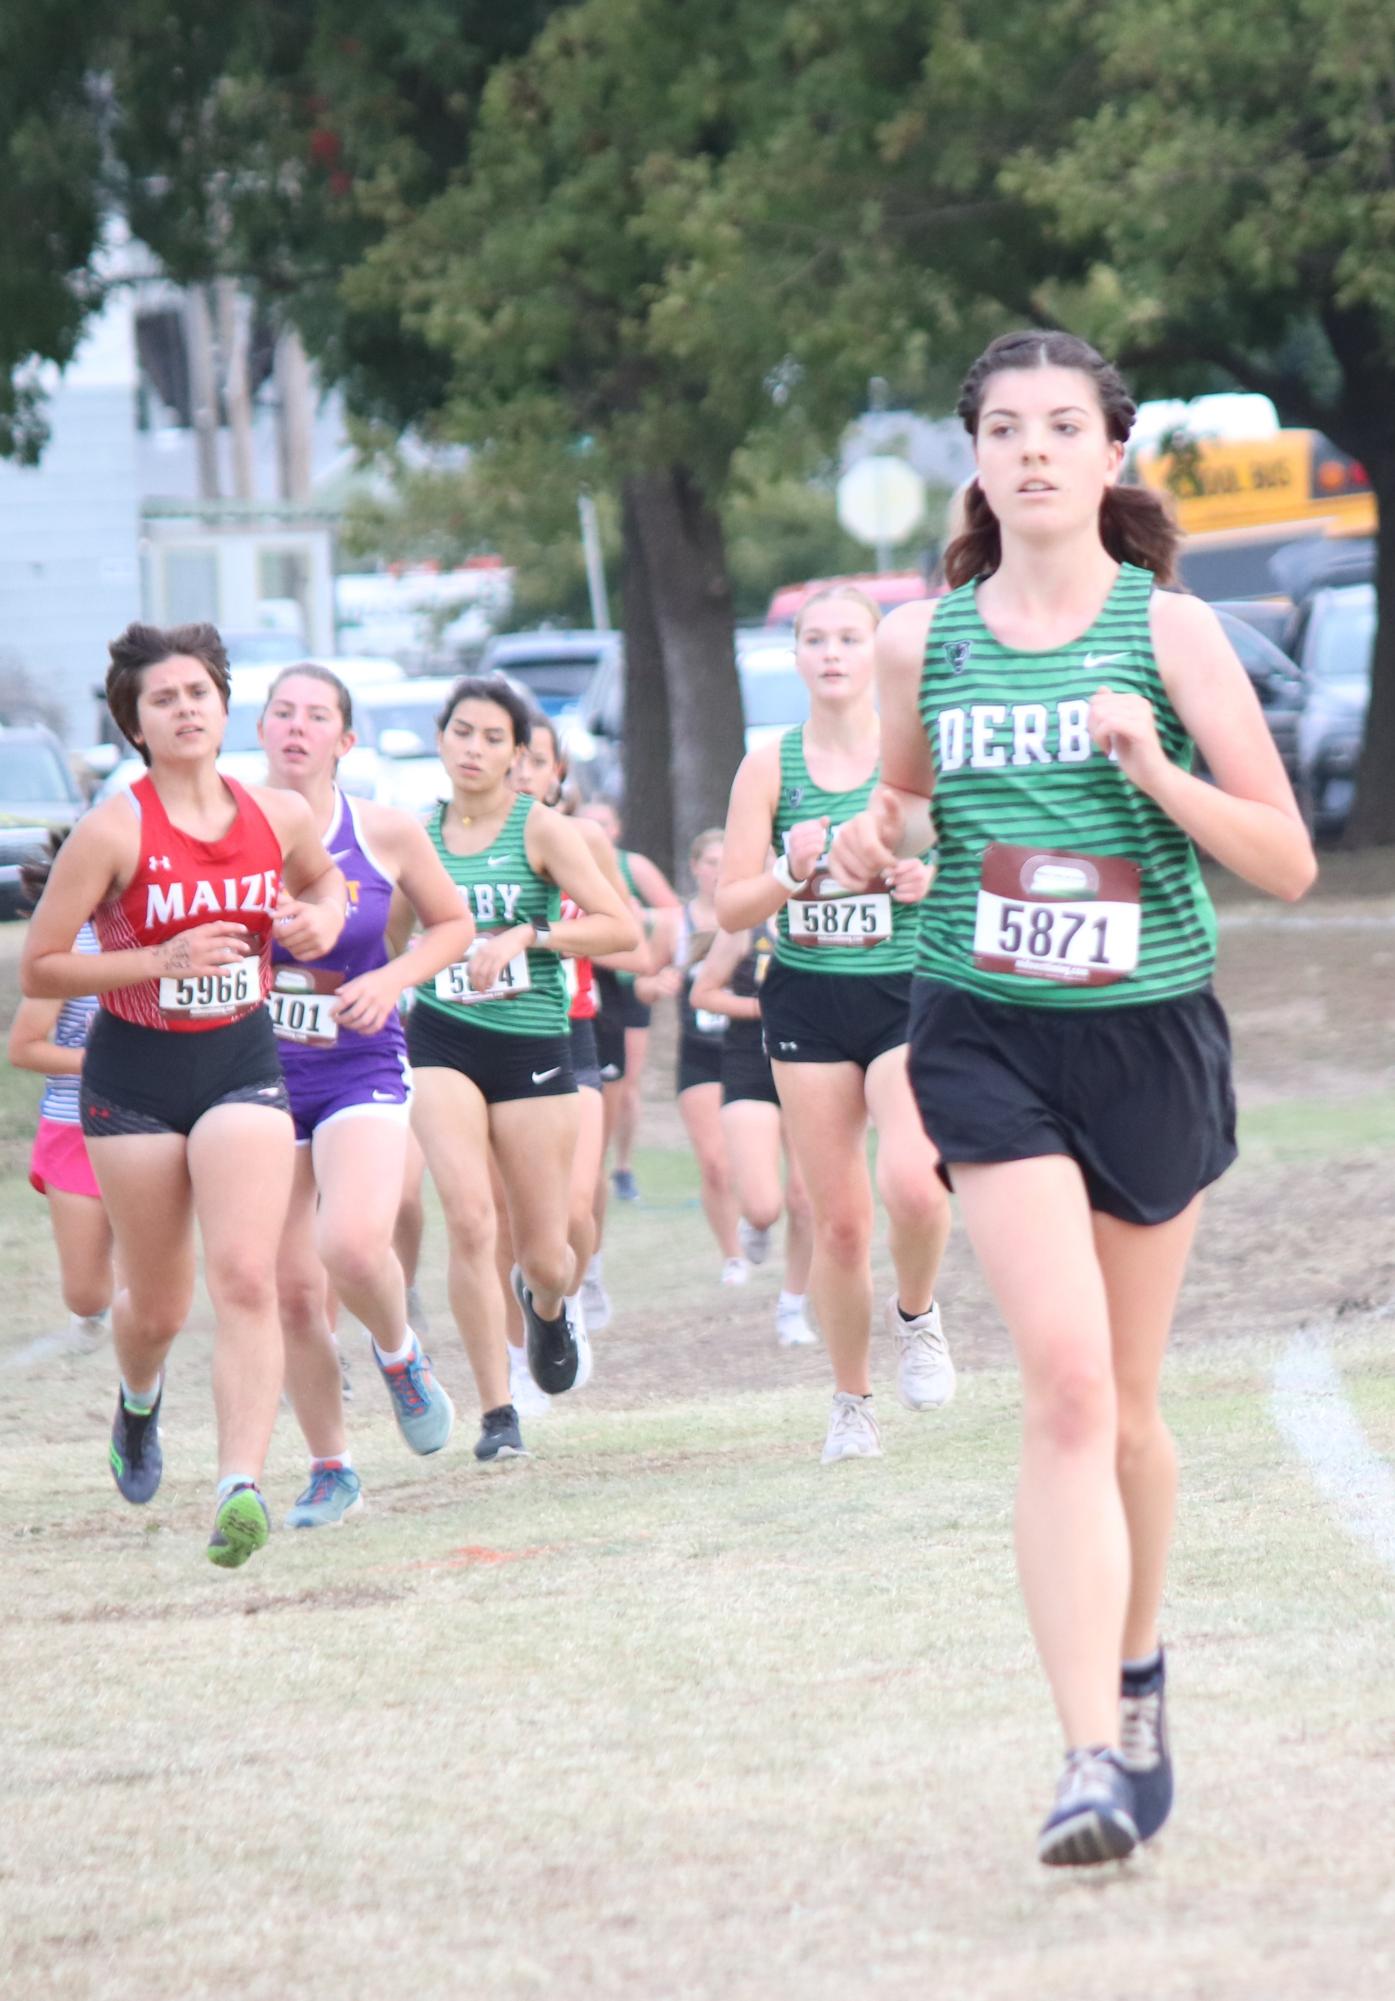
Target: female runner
x=344, y=1056
x=835, y=1008
x=185, y=876
x=700, y=1039
x=1068, y=1055
x=490, y=1050
x=729, y=983
x=49, y=1036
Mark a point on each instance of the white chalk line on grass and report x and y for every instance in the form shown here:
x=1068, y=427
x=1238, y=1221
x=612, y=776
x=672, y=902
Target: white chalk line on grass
x=1312, y=1412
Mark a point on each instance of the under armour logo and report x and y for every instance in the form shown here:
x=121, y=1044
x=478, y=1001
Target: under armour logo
x=957, y=654
x=160, y=861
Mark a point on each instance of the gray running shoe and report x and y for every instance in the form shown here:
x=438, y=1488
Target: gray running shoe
x=137, y=1462
x=500, y=1437
x=755, y=1244
x=1092, y=1816
x=416, y=1310
x=1144, y=1748
x=595, y=1303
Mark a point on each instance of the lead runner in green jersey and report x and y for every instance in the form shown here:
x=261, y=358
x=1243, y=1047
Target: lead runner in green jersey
x=835, y=1009
x=1068, y=1056
x=490, y=1051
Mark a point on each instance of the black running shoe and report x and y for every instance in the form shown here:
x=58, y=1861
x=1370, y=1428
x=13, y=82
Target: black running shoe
x=136, y=1459
x=500, y=1437
x=1091, y=1819
x=553, y=1355
x=1144, y=1749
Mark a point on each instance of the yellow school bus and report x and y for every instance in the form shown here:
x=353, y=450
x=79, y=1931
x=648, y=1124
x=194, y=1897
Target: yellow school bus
x=1239, y=499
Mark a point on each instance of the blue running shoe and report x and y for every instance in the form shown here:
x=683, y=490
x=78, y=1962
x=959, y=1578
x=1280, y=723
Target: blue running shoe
x=1144, y=1747
x=1091, y=1818
x=334, y=1492
x=625, y=1186
x=240, y=1528
x=136, y=1459
x=425, y=1414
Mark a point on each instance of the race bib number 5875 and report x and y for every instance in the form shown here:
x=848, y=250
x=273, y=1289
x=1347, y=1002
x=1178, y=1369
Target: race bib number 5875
x=1047, y=915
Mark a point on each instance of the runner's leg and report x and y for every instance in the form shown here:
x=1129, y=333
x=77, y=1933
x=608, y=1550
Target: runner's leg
x=1030, y=1225
x=451, y=1121
x=1143, y=1269
x=411, y=1211
x=241, y=1167
x=313, y=1380
x=701, y=1110
x=534, y=1143
x=917, y=1206
x=144, y=1181
x=751, y=1131
x=82, y=1239
x=359, y=1165
x=799, y=1225
x=629, y=1091
x=826, y=1125
x=587, y=1174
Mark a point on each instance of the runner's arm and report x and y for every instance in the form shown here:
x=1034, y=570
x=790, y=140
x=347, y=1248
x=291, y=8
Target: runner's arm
x=653, y=885
x=32, y=1046
x=559, y=851
x=712, y=987
x=747, y=890
x=638, y=959
x=314, y=900
x=1248, y=820
x=424, y=893
x=897, y=822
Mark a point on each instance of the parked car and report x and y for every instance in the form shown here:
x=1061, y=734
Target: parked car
x=1276, y=680
x=38, y=796
x=1333, y=645
x=243, y=758
x=553, y=669
x=773, y=699
x=402, y=717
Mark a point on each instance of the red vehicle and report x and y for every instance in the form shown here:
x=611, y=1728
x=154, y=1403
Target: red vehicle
x=891, y=587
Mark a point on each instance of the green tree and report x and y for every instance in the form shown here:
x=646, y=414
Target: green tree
x=1237, y=176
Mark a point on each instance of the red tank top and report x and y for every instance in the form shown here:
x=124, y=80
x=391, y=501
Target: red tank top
x=180, y=883
x=583, y=1007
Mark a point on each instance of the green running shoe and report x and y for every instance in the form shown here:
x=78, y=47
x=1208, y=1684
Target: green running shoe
x=333, y=1493
x=240, y=1528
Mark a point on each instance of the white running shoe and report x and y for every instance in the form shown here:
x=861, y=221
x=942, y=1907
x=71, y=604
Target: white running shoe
x=88, y=1331
x=852, y=1430
x=595, y=1302
x=792, y=1330
x=735, y=1271
x=416, y=1311
x=755, y=1244
x=525, y=1396
x=924, y=1371
x=576, y=1313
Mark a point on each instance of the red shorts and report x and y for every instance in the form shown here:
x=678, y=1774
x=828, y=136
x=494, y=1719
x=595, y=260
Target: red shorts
x=59, y=1161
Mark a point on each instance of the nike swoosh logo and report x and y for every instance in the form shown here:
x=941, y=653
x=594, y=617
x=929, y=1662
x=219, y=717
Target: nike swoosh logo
x=386, y=1098
x=503, y=862
x=340, y=854
x=542, y=1076
x=1093, y=660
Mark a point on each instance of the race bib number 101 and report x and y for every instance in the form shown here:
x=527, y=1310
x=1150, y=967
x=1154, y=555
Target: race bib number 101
x=1046, y=915
x=301, y=1005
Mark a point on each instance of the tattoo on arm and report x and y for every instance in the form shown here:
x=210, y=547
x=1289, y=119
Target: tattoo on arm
x=178, y=956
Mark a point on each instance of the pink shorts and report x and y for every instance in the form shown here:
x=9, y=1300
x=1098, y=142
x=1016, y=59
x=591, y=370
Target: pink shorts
x=59, y=1161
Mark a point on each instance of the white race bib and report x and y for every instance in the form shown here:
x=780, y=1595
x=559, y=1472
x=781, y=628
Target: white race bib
x=453, y=982
x=302, y=1005
x=226, y=991
x=1046, y=915
x=840, y=920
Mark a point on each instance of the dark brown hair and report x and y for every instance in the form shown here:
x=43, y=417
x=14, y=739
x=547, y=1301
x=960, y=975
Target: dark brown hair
x=1136, y=525
x=142, y=646
x=311, y=670
x=34, y=873
x=490, y=688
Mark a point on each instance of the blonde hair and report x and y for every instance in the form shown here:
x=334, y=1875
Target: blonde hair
x=709, y=837
x=851, y=591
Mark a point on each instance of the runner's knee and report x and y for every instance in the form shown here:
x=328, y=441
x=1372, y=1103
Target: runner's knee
x=1070, y=1400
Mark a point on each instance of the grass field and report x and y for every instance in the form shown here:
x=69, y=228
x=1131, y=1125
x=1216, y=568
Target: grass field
x=670, y=1711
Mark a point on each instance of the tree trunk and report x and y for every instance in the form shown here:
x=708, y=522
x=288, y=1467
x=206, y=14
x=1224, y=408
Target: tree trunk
x=1372, y=820
x=686, y=564
x=296, y=415
x=235, y=341
x=203, y=388
x=647, y=748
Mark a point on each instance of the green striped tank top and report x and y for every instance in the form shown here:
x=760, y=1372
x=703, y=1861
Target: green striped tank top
x=1027, y=809
x=500, y=889
x=801, y=799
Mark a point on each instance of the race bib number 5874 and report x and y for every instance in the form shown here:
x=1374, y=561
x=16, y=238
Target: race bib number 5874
x=1047, y=915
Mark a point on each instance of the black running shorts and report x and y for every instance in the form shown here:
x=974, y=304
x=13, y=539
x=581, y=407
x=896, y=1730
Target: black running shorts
x=699, y=1062
x=501, y=1067
x=833, y=1017
x=747, y=1077
x=1139, y=1097
x=139, y=1080
x=617, y=998
x=586, y=1062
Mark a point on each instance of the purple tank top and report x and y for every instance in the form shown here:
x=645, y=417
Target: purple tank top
x=361, y=947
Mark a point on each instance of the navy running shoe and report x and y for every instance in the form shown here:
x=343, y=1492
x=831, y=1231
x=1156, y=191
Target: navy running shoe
x=137, y=1462
x=500, y=1437
x=625, y=1186
x=1091, y=1818
x=554, y=1359
x=1144, y=1748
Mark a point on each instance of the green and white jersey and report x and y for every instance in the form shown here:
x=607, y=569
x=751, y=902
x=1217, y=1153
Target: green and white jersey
x=824, y=930
x=1060, y=883
x=500, y=888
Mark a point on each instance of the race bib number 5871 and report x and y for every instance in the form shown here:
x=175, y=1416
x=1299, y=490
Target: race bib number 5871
x=1047, y=915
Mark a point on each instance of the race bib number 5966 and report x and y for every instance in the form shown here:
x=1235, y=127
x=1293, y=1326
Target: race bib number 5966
x=1047, y=915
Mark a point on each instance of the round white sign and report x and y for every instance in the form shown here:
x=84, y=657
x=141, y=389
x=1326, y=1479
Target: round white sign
x=881, y=500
